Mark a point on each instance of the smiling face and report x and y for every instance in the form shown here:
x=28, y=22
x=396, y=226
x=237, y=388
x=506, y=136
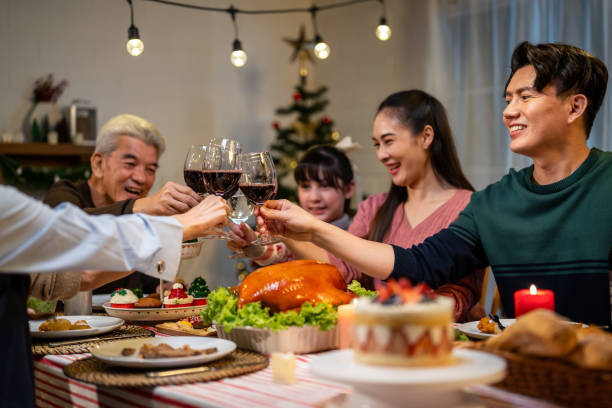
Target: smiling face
x=404, y=154
x=129, y=171
x=536, y=120
x=322, y=200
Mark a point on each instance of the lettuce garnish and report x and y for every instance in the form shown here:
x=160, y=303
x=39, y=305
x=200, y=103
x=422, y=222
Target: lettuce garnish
x=222, y=308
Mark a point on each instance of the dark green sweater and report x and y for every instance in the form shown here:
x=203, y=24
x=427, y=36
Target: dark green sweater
x=555, y=236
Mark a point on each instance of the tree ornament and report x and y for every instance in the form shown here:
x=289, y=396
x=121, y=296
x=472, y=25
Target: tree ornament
x=297, y=96
x=275, y=124
x=326, y=119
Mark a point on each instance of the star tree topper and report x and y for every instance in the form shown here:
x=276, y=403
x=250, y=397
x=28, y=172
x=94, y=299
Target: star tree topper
x=301, y=50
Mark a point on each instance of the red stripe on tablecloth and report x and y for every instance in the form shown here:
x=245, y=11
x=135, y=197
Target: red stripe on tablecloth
x=68, y=380
x=68, y=391
x=261, y=392
x=38, y=397
x=68, y=401
x=225, y=398
x=116, y=397
x=161, y=398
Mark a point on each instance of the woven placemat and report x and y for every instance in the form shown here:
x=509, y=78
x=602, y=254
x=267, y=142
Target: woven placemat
x=41, y=347
x=94, y=371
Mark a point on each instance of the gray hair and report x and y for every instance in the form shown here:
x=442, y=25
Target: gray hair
x=130, y=125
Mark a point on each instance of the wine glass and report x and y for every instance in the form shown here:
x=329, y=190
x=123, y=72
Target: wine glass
x=192, y=169
x=258, y=183
x=221, y=172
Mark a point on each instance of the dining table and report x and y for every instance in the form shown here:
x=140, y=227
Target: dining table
x=257, y=389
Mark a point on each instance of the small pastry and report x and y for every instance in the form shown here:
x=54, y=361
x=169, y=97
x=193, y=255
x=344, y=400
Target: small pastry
x=199, y=290
x=148, y=302
x=123, y=299
x=177, y=297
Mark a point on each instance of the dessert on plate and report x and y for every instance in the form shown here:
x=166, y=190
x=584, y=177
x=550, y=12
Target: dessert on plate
x=199, y=290
x=404, y=326
x=177, y=297
x=123, y=298
x=150, y=301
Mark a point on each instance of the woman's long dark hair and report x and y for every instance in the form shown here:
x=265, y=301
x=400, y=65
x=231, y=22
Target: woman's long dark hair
x=416, y=109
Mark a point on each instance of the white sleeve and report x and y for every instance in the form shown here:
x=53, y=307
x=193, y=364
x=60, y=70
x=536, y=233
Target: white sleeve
x=37, y=239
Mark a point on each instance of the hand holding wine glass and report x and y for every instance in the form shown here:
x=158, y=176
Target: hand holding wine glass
x=258, y=183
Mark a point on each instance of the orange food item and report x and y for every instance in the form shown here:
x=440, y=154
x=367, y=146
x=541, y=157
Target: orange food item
x=288, y=285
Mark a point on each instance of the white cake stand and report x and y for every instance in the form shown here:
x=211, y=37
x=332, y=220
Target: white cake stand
x=416, y=386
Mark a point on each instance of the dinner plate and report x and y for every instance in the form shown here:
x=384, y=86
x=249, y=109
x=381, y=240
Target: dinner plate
x=422, y=386
x=470, y=329
x=154, y=314
x=111, y=352
x=99, y=325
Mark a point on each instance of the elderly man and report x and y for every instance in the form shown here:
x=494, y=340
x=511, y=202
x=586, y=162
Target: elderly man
x=123, y=167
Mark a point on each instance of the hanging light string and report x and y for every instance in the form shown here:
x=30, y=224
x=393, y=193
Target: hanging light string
x=238, y=58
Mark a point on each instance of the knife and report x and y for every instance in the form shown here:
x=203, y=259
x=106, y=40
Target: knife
x=66, y=343
x=192, y=370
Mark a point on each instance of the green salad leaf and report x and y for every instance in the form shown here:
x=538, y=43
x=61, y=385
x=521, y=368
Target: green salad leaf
x=222, y=308
x=461, y=336
x=359, y=290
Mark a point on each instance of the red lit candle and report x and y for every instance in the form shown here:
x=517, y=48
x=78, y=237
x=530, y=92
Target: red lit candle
x=526, y=300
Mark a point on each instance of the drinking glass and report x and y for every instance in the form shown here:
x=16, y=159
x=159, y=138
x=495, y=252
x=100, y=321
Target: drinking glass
x=258, y=183
x=221, y=173
x=192, y=169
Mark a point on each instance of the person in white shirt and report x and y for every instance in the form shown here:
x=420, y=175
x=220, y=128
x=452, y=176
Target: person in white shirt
x=36, y=238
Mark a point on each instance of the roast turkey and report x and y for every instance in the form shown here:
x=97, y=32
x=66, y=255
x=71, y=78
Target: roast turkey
x=288, y=285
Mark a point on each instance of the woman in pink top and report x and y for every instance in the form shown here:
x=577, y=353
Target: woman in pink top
x=414, y=142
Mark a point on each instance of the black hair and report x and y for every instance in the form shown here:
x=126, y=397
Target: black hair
x=570, y=69
x=416, y=109
x=328, y=165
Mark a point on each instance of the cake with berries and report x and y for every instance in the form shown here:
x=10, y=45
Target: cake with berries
x=177, y=297
x=404, y=326
x=199, y=290
x=123, y=298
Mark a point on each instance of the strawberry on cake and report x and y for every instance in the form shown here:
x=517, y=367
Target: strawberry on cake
x=404, y=326
x=178, y=297
x=123, y=298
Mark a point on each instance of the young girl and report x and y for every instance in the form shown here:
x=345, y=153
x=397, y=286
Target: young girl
x=414, y=142
x=325, y=186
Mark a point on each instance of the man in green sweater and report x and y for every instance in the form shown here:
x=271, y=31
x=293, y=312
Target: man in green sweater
x=549, y=224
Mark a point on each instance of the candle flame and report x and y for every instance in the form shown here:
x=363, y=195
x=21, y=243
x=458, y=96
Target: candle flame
x=533, y=290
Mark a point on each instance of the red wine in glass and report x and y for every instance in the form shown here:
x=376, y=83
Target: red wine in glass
x=195, y=180
x=258, y=193
x=221, y=182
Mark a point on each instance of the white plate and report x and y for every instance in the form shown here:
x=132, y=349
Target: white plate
x=99, y=325
x=470, y=329
x=156, y=314
x=111, y=352
x=394, y=386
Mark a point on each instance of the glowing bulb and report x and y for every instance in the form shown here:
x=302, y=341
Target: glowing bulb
x=238, y=57
x=321, y=49
x=533, y=290
x=135, y=46
x=383, y=32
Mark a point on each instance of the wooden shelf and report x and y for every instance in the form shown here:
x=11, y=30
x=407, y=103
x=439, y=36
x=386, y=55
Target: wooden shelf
x=43, y=154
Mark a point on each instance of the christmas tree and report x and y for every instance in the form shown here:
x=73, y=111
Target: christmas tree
x=311, y=127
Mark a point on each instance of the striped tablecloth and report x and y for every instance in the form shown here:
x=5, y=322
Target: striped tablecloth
x=54, y=389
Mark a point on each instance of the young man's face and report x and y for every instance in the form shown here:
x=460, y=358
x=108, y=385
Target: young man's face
x=536, y=120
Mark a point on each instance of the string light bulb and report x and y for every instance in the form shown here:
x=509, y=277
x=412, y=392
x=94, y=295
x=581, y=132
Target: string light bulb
x=238, y=57
x=134, y=45
x=321, y=49
x=383, y=31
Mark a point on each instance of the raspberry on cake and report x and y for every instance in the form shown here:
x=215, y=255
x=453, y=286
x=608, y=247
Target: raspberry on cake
x=123, y=298
x=404, y=326
x=177, y=297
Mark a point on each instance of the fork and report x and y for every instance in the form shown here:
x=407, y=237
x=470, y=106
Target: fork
x=495, y=318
